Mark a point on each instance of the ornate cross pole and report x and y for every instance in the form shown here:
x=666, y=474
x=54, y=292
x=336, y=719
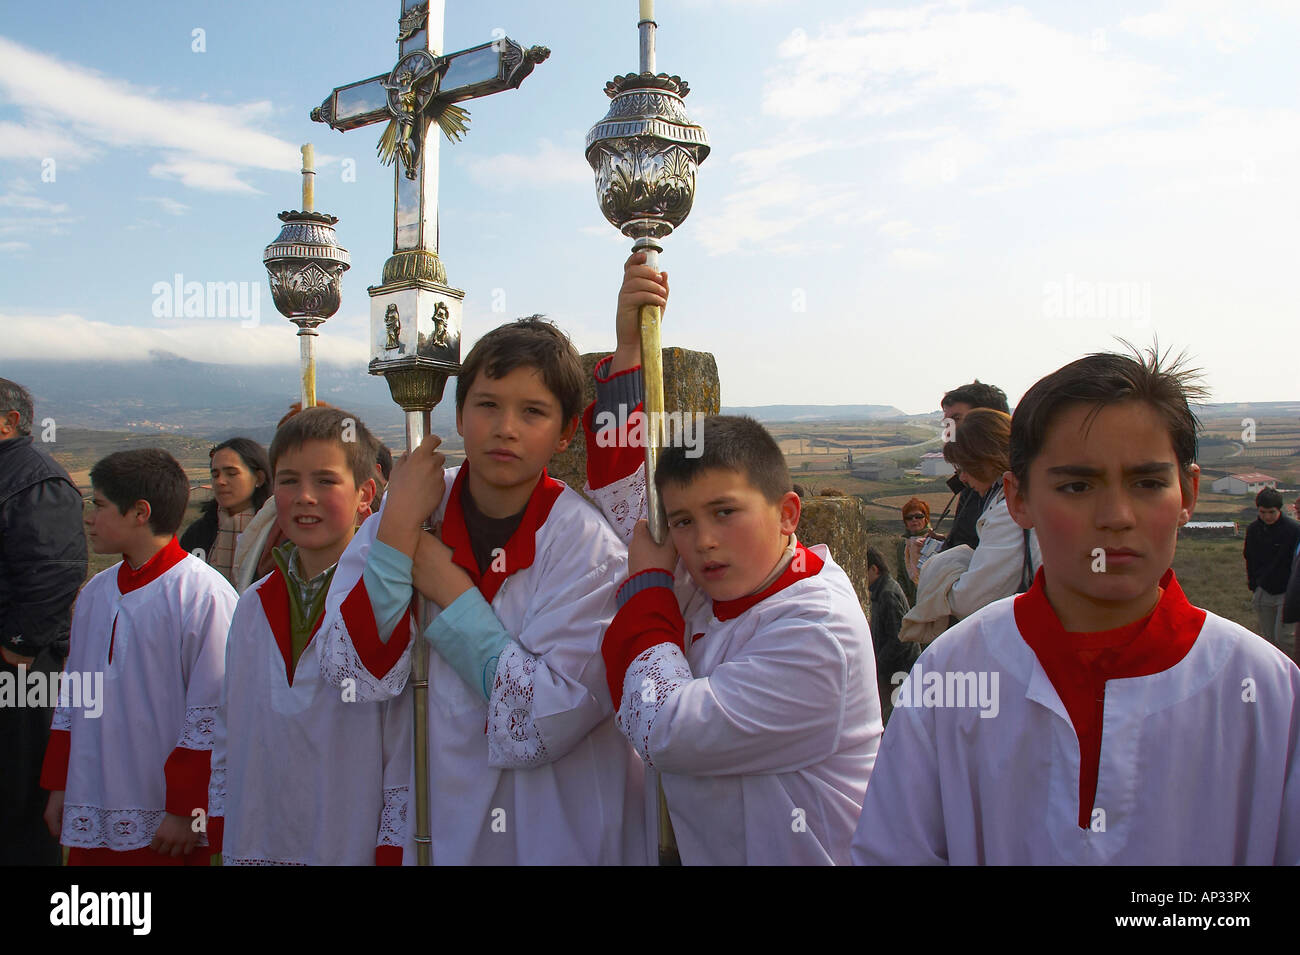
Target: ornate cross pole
x=414, y=314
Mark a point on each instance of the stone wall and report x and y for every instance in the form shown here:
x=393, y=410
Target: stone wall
x=841, y=524
x=690, y=384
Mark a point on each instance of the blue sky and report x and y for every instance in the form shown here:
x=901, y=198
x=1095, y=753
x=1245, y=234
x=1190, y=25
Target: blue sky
x=901, y=196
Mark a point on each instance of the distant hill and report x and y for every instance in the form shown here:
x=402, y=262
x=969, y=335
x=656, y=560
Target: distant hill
x=774, y=413
x=172, y=394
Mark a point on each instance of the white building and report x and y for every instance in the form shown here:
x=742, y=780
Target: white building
x=934, y=465
x=1251, y=482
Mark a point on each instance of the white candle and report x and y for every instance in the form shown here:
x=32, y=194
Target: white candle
x=647, y=9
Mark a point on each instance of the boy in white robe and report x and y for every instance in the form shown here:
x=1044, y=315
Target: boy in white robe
x=128, y=773
x=302, y=774
x=746, y=679
x=1113, y=722
x=525, y=763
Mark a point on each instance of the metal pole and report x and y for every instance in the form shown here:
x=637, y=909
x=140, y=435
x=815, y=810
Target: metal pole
x=417, y=426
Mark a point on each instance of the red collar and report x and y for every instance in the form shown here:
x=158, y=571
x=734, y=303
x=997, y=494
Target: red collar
x=807, y=563
x=520, y=549
x=274, y=595
x=171, y=554
x=1136, y=649
x=1079, y=664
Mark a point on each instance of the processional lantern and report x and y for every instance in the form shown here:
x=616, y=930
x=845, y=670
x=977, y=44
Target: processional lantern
x=645, y=154
x=305, y=265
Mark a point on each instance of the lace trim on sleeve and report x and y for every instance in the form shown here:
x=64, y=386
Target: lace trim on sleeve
x=339, y=662
x=200, y=723
x=650, y=682
x=217, y=792
x=623, y=502
x=90, y=827
x=392, y=821
x=513, y=740
x=62, y=719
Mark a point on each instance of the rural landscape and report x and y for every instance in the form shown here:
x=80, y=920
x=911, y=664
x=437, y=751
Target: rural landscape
x=873, y=452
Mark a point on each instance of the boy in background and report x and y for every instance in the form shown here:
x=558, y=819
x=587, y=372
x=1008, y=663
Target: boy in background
x=1269, y=548
x=129, y=785
x=301, y=773
x=1198, y=762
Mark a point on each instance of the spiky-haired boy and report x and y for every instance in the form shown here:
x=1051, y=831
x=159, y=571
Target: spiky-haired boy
x=129, y=784
x=1130, y=727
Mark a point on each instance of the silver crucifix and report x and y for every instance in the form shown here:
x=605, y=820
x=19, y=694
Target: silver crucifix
x=414, y=314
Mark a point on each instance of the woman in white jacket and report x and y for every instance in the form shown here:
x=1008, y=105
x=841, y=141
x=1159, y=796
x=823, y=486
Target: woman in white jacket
x=960, y=581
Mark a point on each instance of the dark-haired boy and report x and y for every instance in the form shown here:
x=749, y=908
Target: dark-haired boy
x=302, y=774
x=129, y=783
x=1127, y=726
x=747, y=682
x=1269, y=547
x=525, y=763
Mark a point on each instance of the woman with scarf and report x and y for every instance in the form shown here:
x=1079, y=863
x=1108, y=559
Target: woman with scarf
x=240, y=486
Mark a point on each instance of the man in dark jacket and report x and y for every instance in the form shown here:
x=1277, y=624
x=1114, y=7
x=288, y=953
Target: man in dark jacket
x=42, y=566
x=888, y=605
x=1271, y=542
x=956, y=404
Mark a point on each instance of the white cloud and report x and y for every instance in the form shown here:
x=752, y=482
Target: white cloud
x=36, y=141
x=167, y=204
x=913, y=259
x=200, y=174
x=70, y=110
x=222, y=341
x=547, y=165
x=14, y=246
x=759, y=217
x=897, y=229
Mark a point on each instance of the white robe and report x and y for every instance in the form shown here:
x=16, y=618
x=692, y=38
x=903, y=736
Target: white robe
x=539, y=774
x=1199, y=762
x=161, y=692
x=301, y=776
x=765, y=732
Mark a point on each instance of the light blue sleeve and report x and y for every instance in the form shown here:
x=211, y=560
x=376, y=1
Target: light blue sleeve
x=469, y=636
x=388, y=584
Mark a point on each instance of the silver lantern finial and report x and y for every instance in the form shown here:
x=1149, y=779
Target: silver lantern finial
x=645, y=154
x=305, y=265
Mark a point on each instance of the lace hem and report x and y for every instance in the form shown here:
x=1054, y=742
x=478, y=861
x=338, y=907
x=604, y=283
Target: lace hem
x=62, y=719
x=513, y=740
x=217, y=792
x=651, y=680
x=200, y=723
x=392, y=821
x=623, y=503
x=227, y=860
x=90, y=827
x=339, y=662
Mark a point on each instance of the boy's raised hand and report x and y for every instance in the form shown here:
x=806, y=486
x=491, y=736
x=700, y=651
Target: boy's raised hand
x=644, y=554
x=435, y=575
x=414, y=491
x=642, y=285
